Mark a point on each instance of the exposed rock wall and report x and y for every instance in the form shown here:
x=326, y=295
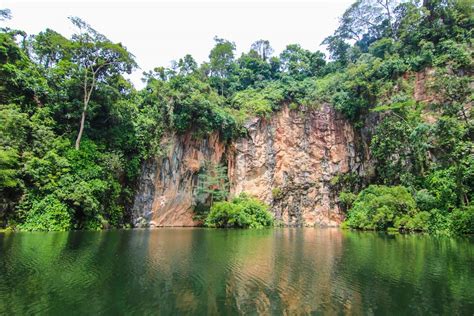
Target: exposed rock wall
x=287, y=161
x=168, y=183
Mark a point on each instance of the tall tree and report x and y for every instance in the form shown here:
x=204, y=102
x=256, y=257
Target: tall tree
x=98, y=59
x=187, y=65
x=364, y=22
x=263, y=48
x=338, y=48
x=299, y=62
x=221, y=60
x=251, y=70
x=50, y=47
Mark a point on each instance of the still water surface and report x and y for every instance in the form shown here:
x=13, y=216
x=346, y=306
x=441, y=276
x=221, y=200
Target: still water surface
x=203, y=271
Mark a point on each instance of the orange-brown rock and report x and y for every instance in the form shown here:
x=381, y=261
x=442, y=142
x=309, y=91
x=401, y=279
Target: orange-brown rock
x=289, y=160
x=168, y=183
x=286, y=161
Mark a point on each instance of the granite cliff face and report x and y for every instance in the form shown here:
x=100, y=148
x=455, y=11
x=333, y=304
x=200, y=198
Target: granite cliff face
x=167, y=189
x=287, y=161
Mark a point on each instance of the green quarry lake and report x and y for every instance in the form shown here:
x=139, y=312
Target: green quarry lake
x=206, y=271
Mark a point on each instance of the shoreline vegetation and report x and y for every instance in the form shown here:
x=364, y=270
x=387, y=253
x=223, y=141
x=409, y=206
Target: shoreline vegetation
x=74, y=132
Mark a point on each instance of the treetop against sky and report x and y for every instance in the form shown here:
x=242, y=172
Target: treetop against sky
x=157, y=32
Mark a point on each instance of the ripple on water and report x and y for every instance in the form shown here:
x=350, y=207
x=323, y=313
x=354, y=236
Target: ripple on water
x=193, y=271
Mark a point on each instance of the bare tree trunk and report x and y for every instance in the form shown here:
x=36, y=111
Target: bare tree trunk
x=81, y=128
x=87, y=97
x=389, y=15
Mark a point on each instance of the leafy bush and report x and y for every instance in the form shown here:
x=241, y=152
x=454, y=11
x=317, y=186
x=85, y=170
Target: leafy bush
x=440, y=222
x=394, y=208
x=389, y=149
x=458, y=55
x=347, y=198
x=48, y=214
x=417, y=222
x=442, y=183
x=462, y=220
x=82, y=181
x=379, y=207
x=425, y=201
x=243, y=211
x=261, y=102
x=8, y=168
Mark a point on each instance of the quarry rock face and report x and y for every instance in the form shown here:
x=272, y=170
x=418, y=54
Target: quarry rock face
x=167, y=185
x=286, y=160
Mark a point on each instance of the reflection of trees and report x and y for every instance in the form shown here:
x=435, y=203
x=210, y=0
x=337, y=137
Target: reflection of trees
x=407, y=274
x=22, y=270
x=64, y=272
x=204, y=271
x=306, y=270
x=38, y=270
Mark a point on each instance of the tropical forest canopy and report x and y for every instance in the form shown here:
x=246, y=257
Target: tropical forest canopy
x=74, y=131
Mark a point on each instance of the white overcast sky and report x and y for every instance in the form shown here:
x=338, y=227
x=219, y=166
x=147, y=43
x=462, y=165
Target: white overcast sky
x=157, y=32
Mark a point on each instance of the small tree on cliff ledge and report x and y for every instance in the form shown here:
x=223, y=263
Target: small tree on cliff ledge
x=213, y=182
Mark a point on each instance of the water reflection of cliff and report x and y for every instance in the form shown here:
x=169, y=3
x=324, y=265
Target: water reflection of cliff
x=249, y=271
x=273, y=275
x=201, y=271
x=301, y=271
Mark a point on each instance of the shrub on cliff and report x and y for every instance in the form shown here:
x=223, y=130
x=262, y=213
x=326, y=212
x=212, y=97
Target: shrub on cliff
x=243, y=211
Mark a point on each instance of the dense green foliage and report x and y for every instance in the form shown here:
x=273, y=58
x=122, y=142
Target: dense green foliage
x=46, y=184
x=380, y=207
x=74, y=131
x=421, y=140
x=243, y=211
